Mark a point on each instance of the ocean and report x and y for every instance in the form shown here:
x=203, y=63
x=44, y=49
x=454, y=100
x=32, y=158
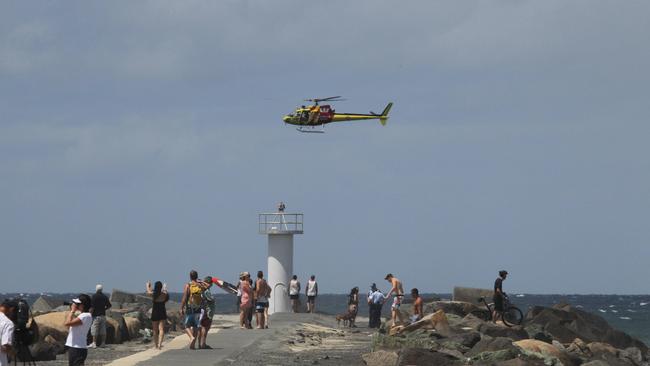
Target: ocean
x=629, y=313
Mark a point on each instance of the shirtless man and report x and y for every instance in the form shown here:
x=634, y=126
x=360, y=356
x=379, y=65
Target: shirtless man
x=417, y=305
x=398, y=292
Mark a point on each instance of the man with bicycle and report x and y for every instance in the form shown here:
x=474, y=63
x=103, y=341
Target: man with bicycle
x=499, y=295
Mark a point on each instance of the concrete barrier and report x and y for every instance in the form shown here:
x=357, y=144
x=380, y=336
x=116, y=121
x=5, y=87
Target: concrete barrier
x=471, y=295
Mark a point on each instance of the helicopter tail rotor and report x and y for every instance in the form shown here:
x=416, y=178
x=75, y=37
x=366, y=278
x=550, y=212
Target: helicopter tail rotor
x=383, y=118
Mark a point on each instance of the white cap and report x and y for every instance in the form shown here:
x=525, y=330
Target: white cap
x=99, y=287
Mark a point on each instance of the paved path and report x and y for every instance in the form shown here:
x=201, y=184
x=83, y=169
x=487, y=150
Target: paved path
x=227, y=344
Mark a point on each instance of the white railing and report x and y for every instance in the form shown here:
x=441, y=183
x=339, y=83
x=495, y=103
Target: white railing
x=280, y=223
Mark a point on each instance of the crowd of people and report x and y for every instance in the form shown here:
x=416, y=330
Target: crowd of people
x=88, y=314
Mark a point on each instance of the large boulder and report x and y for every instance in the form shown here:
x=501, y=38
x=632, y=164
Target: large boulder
x=44, y=351
x=437, y=321
x=380, y=358
x=565, y=323
x=417, y=356
x=490, y=344
x=549, y=353
x=116, y=329
x=51, y=324
x=497, y=330
x=133, y=326
x=119, y=298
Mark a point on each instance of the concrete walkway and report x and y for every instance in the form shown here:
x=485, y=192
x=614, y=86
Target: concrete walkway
x=227, y=344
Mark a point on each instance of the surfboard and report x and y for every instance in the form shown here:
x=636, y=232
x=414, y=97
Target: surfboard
x=226, y=286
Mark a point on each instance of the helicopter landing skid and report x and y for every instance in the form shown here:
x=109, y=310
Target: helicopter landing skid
x=312, y=130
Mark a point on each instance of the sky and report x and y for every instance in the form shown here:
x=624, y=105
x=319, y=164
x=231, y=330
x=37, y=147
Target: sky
x=140, y=140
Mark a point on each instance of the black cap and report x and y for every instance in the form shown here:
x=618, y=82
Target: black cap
x=373, y=287
x=388, y=276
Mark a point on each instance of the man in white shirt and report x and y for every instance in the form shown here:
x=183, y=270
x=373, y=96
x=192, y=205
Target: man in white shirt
x=311, y=291
x=79, y=320
x=7, y=312
x=294, y=293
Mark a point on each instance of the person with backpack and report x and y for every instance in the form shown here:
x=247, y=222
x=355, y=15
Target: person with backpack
x=209, y=308
x=262, y=293
x=191, y=306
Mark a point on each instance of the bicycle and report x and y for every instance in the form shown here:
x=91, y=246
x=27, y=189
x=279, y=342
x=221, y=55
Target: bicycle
x=511, y=315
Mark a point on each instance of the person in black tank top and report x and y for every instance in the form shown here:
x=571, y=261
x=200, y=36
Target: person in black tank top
x=158, y=311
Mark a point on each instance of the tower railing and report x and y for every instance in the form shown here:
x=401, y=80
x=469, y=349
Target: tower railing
x=280, y=223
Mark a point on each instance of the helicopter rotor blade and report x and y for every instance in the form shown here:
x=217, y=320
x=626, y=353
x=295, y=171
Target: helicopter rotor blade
x=328, y=99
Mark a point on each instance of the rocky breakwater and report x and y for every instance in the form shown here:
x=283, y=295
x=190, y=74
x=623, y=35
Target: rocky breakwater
x=458, y=333
x=127, y=320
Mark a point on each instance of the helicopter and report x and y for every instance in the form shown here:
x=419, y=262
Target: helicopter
x=308, y=117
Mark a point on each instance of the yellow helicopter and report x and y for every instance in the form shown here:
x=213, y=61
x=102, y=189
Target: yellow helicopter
x=308, y=117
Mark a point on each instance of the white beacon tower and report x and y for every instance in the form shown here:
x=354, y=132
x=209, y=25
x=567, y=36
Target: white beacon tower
x=280, y=228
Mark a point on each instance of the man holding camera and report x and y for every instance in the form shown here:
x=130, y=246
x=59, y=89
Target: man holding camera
x=7, y=313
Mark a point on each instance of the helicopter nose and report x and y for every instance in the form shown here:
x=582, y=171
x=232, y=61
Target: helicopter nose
x=286, y=118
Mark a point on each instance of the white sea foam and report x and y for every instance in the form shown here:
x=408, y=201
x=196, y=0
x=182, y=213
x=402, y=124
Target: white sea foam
x=614, y=311
x=625, y=317
x=602, y=311
x=631, y=311
x=520, y=295
x=643, y=303
x=611, y=306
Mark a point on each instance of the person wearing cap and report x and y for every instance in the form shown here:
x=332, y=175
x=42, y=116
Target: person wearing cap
x=246, y=300
x=398, y=290
x=79, y=320
x=7, y=313
x=498, y=294
x=99, y=304
x=376, y=301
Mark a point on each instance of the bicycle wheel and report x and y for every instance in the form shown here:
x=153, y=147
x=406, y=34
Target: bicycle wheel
x=512, y=316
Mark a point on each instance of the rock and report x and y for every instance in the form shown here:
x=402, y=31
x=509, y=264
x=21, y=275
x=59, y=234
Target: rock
x=45, y=304
x=52, y=324
x=598, y=348
x=460, y=308
x=116, y=329
x=490, y=344
x=133, y=326
x=578, y=349
x=633, y=354
x=416, y=356
x=437, y=321
x=495, y=357
x=471, y=321
x=521, y=362
x=462, y=342
x=596, y=363
x=60, y=346
x=471, y=295
x=495, y=330
x=565, y=323
x=380, y=358
x=548, y=352
x=44, y=351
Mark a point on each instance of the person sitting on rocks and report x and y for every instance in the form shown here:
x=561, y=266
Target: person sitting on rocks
x=417, y=305
x=499, y=295
x=159, y=297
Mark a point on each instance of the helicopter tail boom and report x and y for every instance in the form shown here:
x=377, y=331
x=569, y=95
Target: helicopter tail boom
x=383, y=118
